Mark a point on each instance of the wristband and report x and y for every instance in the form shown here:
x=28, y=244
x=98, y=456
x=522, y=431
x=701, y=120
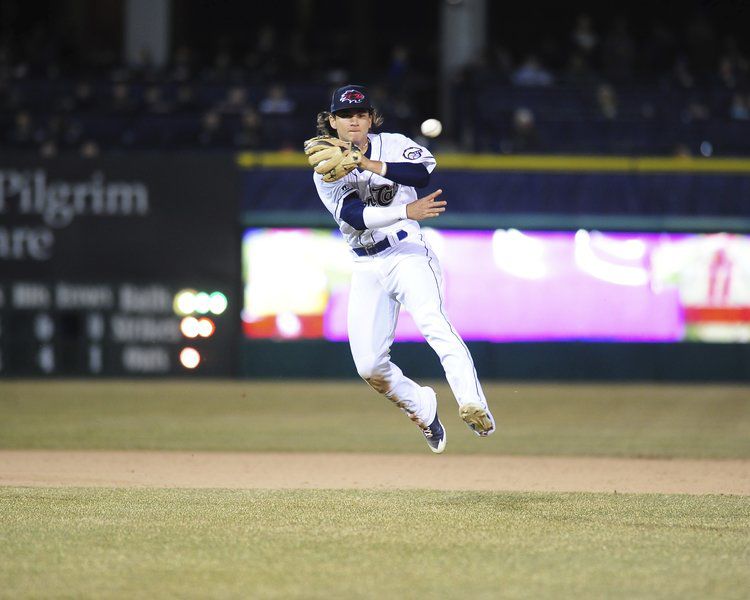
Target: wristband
x=383, y=169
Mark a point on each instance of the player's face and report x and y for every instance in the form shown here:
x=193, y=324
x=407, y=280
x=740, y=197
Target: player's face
x=352, y=125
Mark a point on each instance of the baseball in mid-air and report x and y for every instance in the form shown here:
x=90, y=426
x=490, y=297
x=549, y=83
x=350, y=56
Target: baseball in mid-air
x=432, y=128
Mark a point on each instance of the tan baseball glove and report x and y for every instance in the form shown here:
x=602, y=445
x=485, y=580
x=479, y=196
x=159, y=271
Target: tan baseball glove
x=331, y=157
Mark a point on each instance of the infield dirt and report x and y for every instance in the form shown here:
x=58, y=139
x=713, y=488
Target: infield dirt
x=369, y=471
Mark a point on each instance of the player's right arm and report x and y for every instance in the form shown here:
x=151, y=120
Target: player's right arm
x=362, y=217
x=343, y=201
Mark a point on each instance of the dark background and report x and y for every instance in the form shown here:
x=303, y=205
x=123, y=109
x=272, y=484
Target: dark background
x=671, y=79
x=661, y=79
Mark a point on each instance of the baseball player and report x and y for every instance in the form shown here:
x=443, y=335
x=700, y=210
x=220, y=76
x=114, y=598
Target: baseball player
x=367, y=181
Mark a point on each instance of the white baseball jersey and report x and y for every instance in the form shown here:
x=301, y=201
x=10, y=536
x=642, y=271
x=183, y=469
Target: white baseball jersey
x=375, y=190
x=405, y=273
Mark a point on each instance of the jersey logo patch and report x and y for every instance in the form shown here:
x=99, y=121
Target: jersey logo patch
x=352, y=97
x=412, y=153
x=382, y=195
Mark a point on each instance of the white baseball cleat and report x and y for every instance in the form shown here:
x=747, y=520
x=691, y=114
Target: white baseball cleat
x=478, y=418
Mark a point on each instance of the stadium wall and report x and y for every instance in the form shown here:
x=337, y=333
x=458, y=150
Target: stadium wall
x=527, y=192
x=59, y=227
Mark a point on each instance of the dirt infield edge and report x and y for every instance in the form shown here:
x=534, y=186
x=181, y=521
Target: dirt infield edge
x=371, y=471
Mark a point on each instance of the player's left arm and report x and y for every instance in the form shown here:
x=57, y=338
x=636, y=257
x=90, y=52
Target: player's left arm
x=406, y=173
x=414, y=171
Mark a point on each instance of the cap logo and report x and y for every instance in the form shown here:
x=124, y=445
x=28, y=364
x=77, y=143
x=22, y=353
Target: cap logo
x=352, y=97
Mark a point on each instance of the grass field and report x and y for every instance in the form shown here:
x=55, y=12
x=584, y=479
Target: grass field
x=351, y=544
x=334, y=543
x=594, y=420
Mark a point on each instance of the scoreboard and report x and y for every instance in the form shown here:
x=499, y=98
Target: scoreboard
x=78, y=329
x=111, y=268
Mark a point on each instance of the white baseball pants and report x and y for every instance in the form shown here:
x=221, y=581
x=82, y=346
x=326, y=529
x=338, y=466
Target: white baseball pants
x=407, y=275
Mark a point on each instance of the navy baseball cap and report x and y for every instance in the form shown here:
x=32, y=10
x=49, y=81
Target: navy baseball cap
x=350, y=96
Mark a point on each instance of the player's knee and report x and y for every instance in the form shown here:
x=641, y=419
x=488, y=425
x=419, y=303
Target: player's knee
x=366, y=366
x=375, y=381
x=373, y=374
x=378, y=383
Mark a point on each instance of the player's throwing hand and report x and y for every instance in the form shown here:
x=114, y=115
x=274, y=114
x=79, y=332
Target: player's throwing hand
x=427, y=207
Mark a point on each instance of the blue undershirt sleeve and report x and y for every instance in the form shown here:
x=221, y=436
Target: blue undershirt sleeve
x=413, y=174
x=351, y=212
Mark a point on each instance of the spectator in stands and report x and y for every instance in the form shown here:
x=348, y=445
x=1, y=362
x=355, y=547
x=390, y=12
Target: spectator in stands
x=728, y=77
x=266, y=42
x=72, y=134
x=89, y=149
x=212, y=134
x=492, y=65
x=155, y=102
x=182, y=69
x=276, y=102
x=84, y=96
x=248, y=137
x=701, y=44
x=606, y=101
x=740, y=108
x=618, y=52
x=524, y=137
x=11, y=97
x=695, y=110
x=531, y=73
x=22, y=133
x=647, y=110
x=185, y=101
x=682, y=150
x=279, y=130
x=263, y=60
x=502, y=62
x=578, y=72
x=221, y=67
x=381, y=98
x=48, y=149
x=122, y=101
x=733, y=51
x=299, y=58
x=142, y=66
x=336, y=75
x=235, y=102
x=398, y=69
x=80, y=99
x=682, y=76
x=396, y=107
x=705, y=68
x=54, y=127
x=583, y=37
x=658, y=50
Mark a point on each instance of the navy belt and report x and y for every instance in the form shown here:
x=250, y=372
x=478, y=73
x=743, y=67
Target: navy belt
x=380, y=246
